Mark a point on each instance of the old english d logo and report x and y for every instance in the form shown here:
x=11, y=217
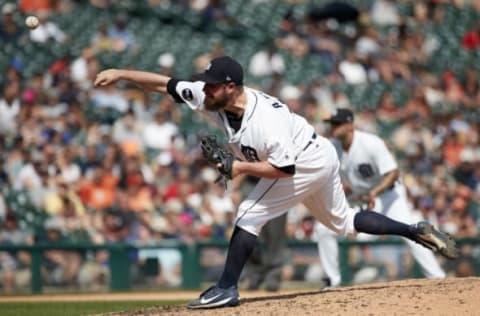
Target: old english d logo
x=365, y=170
x=249, y=153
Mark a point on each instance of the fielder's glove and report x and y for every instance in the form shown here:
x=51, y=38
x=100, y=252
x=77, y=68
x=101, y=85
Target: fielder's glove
x=216, y=154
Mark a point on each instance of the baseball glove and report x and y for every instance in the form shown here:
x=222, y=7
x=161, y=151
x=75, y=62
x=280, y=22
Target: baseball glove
x=216, y=154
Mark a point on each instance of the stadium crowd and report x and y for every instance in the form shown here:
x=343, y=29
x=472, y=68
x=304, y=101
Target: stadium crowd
x=113, y=164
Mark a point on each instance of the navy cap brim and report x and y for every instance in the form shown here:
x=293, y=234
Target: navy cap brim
x=206, y=78
x=334, y=121
x=329, y=119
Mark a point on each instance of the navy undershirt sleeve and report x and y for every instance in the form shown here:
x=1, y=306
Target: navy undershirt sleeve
x=287, y=169
x=171, y=89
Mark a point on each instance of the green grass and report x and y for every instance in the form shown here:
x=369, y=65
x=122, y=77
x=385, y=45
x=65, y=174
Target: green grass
x=74, y=308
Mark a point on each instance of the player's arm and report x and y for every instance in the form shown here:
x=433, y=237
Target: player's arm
x=147, y=80
x=261, y=169
x=388, y=179
x=187, y=92
x=387, y=166
x=386, y=183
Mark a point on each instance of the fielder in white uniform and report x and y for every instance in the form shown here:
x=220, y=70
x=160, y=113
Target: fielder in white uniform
x=293, y=163
x=371, y=173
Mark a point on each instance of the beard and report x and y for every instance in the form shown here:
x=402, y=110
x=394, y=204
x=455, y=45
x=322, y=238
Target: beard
x=215, y=104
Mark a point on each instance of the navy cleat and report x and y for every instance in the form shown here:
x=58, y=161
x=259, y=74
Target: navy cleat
x=435, y=240
x=216, y=297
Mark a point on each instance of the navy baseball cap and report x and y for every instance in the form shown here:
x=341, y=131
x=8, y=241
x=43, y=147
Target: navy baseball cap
x=222, y=69
x=340, y=116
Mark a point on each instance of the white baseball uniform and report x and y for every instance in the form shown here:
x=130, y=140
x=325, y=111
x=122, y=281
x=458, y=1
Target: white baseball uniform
x=362, y=168
x=270, y=132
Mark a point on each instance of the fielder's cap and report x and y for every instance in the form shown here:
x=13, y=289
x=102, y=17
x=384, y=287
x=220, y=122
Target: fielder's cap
x=222, y=69
x=340, y=116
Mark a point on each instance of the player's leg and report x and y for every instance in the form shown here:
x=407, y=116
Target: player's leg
x=328, y=252
x=427, y=261
x=395, y=205
x=268, y=200
x=423, y=232
x=329, y=205
x=225, y=292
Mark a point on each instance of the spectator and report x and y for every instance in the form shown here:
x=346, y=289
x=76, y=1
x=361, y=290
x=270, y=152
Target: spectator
x=60, y=267
x=100, y=40
x=117, y=225
x=94, y=274
x=290, y=38
x=14, y=266
x=201, y=62
x=127, y=133
x=62, y=198
x=291, y=94
x=123, y=39
x=368, y=44
x=99, y=193
x=217, y=210
x=388, y=111
x=169, y=224
x=68, y=170
x=83, y=68
x=47, y=30
x=138, y=195
x=32, y=6
x=413, y=136
x=462, y=220
x=166, y=62
x=464, y=173
x=30, y=175
x=266, y=62
x=384, y=12
x=452, y=147
x=109, y=97
x=471, y=39
x=9, y=108
x=160, y=134
x=352, y=70
x=10, y=31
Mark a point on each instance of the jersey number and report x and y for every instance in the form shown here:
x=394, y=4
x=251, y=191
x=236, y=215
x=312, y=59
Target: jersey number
x=276, y=105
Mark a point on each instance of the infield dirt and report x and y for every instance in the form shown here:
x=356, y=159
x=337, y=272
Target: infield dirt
x=452, y=296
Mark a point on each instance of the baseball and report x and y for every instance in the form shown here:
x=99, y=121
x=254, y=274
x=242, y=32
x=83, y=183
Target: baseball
x=32, y=22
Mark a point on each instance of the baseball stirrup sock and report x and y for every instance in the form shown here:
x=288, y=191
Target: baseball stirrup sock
x=377, y=224
x=241, y=246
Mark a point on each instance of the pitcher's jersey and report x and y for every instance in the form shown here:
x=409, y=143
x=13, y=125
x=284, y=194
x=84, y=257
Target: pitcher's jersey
x=367, y=160
x=269, y=131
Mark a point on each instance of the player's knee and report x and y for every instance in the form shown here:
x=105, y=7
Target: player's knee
x=248, y=220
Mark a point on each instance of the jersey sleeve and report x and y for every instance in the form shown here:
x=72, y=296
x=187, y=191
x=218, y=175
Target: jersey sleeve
x=383, y=157
x=187, y=92
x=280, y=148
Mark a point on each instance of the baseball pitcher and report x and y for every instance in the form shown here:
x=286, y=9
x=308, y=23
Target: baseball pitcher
x=268, y=141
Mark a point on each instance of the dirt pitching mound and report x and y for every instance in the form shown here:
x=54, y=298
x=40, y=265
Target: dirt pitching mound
x=453, y=296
